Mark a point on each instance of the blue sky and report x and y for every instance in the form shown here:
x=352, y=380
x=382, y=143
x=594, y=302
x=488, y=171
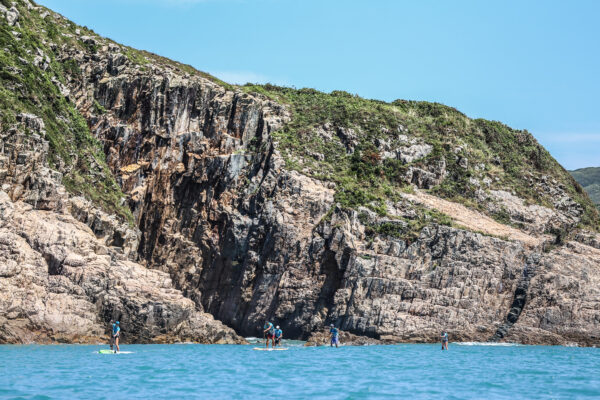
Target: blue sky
x=531, y=64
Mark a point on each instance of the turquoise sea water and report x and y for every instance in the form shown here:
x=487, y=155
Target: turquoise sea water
x=222, y=371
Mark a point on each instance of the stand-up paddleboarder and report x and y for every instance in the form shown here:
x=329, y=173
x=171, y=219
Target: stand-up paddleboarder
x=444, y=340
x=269, y=331
x=114, y=336
x=335, y=336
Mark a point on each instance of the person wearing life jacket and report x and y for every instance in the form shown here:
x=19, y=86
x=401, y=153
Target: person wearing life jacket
x=335, y=335
x=278, y=335
x=444, y=340
x=114, y=335
x=269, y=332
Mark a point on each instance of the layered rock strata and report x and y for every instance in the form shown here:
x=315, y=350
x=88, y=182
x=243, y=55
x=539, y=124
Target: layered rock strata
x=224, y=226
x=248, y=239
x=61, y=284
x=64, y=281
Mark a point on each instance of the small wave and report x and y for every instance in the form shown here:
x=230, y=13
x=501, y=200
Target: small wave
x=487, y=344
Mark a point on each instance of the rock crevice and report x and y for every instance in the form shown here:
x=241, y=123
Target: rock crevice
x=519, y=299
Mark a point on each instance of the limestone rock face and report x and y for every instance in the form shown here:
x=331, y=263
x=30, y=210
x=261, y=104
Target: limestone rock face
x=562, y=304
x=24, y=172
x=532, y=218
x=58, y=283
x=62, y=280
x=246, y=239
x=10, y=14
x=224, y=229
x=107, y=228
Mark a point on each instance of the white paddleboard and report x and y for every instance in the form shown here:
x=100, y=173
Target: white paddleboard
x=114, y=352
x=271, y=349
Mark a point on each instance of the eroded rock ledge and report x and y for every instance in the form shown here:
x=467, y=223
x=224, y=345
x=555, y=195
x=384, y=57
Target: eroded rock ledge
x=58, y=283
x=323, y=338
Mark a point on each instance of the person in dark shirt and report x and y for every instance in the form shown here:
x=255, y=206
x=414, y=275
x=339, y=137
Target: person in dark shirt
x=444, y=340
x=278, y=335
x=335, y=336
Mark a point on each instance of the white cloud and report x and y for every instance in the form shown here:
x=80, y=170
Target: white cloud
x=242, y=77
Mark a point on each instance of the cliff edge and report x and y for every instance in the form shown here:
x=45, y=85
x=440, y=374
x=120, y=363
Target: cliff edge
x=138, y=188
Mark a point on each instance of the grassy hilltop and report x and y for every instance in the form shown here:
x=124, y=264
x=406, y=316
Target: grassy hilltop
x=511, y=159
x=476, y=154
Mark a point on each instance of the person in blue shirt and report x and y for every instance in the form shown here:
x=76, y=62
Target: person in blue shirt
x=444, y=340
x=269, y=331
x=114, y=335
x=335, y=335
x=278, y=335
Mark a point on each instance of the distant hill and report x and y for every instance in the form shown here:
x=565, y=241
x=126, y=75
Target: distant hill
x=589, y=178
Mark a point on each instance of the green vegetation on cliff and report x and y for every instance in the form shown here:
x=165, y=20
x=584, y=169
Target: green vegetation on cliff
x=30, y=79
x=589, y=178
x=347, y=139
x=372, y=150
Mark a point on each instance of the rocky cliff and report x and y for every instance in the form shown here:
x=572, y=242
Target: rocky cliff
x=185, y=196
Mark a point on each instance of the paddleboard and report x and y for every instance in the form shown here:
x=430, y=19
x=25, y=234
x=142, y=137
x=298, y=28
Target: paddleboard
x=112, y=352
x=275, y=349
